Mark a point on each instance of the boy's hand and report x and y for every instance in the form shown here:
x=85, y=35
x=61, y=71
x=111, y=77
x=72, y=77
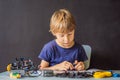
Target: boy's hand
x=79, y=65
x=65, y=66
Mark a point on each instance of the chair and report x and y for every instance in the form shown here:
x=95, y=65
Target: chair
x=87, y=49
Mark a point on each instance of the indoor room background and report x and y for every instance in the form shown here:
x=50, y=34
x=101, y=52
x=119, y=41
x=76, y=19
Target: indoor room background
x=24, y=29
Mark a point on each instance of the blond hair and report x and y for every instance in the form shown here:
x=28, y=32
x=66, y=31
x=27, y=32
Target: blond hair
x=62, y=21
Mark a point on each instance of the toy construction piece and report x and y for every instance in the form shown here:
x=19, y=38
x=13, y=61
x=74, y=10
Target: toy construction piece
x=9, y=67
x=22, y=67
x=69, y=74
x=15, y=75
x=102, y=74
x=116, y=75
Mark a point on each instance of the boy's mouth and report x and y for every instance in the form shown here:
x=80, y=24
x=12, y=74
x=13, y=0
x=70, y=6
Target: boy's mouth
x=66, y=43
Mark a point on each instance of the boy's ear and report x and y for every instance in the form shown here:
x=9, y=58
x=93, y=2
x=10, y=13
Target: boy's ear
x=53, y=34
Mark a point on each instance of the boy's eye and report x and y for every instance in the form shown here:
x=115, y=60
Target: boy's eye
x=61, y=35
x=70, y=34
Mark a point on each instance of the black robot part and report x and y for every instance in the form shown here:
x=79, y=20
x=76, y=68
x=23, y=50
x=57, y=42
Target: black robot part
x=69, y=74
x=47, y=73
x=23, y=64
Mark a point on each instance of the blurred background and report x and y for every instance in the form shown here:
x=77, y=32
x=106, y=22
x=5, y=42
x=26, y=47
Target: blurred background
x=24, y=29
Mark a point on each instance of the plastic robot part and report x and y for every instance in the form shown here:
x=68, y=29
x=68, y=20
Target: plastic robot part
x=9, y=67
x=24, y=66
x=69, y=74
x=116, y=75
x=22, y=72
x=15, y=75
x=34, y=73
x=47, y=73
x=102, y=74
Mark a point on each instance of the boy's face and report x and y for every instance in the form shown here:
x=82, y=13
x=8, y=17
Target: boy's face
x=65, y=40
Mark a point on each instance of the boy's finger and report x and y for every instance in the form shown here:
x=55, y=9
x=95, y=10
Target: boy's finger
x=76, y=61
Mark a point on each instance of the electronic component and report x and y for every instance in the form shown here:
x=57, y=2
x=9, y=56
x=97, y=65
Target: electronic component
x=70, y=74
x=24, y=67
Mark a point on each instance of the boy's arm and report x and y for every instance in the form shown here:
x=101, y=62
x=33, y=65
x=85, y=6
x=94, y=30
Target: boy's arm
x=43, y=64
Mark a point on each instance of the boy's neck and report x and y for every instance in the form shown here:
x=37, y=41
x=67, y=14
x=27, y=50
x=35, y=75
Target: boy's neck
x=72, y=44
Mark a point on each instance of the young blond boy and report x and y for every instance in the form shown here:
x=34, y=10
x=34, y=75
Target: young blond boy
x=62, y=53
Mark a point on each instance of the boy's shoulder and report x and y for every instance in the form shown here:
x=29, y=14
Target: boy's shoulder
x=77, y=44
x=50, y=44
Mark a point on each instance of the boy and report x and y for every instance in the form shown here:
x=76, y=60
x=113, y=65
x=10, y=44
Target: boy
x=63, y=53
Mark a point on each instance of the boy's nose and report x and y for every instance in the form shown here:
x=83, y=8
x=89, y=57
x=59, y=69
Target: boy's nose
x=66, y=39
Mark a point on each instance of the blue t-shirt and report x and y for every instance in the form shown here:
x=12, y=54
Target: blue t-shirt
x=54, y=54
